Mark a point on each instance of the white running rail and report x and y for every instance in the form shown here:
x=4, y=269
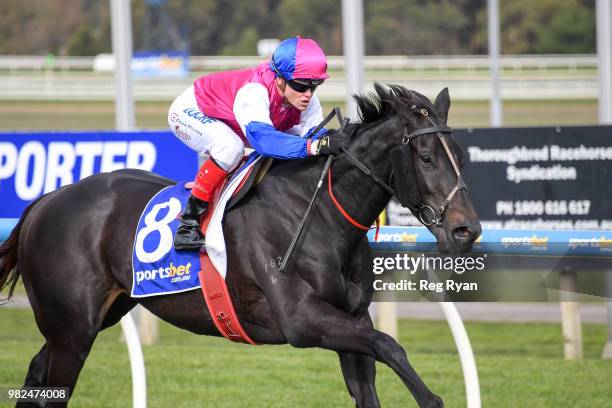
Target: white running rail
x=139, y=377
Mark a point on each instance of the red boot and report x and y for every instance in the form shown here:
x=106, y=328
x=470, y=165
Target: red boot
x=189, y=236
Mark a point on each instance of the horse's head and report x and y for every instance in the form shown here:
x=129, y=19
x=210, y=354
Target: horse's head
x=426, y=164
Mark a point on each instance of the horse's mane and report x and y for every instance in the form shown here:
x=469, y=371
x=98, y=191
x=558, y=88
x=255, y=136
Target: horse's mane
x=386, y=102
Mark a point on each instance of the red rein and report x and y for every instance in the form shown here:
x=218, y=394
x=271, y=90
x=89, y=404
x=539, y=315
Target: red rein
x=345, y=214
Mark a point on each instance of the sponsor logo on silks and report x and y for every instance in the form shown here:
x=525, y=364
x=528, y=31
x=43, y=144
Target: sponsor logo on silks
x=593, y=242
x=197, y=115
x=172, y=273
x=176, y=118
x=535, y=241
x=181, y=133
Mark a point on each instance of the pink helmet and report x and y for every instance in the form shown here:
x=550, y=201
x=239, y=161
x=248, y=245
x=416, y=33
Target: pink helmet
x=299, y=58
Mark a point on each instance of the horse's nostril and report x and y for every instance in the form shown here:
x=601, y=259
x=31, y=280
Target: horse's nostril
x=463, y=234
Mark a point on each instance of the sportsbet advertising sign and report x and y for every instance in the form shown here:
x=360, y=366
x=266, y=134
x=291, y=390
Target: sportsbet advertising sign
x=536, y=178
x=32, y=164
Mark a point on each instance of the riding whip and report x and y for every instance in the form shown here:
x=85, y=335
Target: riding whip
x=298, y=232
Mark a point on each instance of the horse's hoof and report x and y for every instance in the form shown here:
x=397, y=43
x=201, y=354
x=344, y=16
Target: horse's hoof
x=436, y=402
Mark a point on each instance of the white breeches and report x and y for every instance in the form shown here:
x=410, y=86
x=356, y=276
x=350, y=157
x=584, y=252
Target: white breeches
x=203, y=134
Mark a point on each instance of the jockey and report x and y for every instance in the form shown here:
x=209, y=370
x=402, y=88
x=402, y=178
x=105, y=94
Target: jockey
x=271, y=107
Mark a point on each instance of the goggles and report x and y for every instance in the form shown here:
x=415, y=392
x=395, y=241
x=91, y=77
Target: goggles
x=303, y=85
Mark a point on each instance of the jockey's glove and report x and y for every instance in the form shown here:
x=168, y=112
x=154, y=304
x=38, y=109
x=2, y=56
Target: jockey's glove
x=333, y=142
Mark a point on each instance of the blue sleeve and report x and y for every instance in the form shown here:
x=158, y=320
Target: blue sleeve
x=268, y=141
x=319, y=134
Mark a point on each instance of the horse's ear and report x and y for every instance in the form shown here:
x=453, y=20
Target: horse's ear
x=442, y=104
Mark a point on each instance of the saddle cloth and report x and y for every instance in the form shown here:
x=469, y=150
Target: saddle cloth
x=158, y=269
x=215, y=242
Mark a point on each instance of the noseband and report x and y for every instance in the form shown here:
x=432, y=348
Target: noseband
x=427, y=213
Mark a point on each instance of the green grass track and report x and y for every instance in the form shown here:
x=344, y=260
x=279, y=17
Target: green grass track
x=520, y=365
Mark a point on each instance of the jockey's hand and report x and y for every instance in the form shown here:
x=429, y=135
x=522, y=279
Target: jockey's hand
x=333, y=142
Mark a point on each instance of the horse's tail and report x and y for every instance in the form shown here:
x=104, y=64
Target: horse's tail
x=9, y=275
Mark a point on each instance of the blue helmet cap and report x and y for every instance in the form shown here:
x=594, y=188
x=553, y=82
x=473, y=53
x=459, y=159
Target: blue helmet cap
x=299, y=58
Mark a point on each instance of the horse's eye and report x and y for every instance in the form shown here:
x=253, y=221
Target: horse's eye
x=425, y=158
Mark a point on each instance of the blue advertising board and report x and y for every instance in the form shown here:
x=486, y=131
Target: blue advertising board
x=502, y=241
x=32, y=164
x=160, y=64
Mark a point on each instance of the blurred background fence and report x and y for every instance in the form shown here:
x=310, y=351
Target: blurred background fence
x=525, y=77
x=542, y=62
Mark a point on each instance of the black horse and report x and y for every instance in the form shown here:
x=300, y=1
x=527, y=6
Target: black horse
x=72, y=249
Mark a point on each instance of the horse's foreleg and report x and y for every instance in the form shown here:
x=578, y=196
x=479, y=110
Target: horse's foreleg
x=323, y=325
x=359, y=373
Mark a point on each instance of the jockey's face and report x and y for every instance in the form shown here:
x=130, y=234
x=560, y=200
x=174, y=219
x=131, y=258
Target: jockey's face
x=298, y=100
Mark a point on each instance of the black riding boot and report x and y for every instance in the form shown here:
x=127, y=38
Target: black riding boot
x=188, y=235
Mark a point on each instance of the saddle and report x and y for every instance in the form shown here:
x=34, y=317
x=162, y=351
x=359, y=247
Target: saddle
x=255, y=176
x=213, y=284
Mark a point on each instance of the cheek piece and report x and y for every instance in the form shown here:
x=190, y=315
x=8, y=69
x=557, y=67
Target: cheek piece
x=404, y=183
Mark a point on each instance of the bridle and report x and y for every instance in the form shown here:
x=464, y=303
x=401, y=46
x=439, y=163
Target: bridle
x=426, y=212
x=424, y=209
x=421, y=208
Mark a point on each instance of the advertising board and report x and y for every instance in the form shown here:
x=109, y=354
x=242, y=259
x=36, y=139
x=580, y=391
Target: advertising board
x=32, y=164
x=535, y=178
